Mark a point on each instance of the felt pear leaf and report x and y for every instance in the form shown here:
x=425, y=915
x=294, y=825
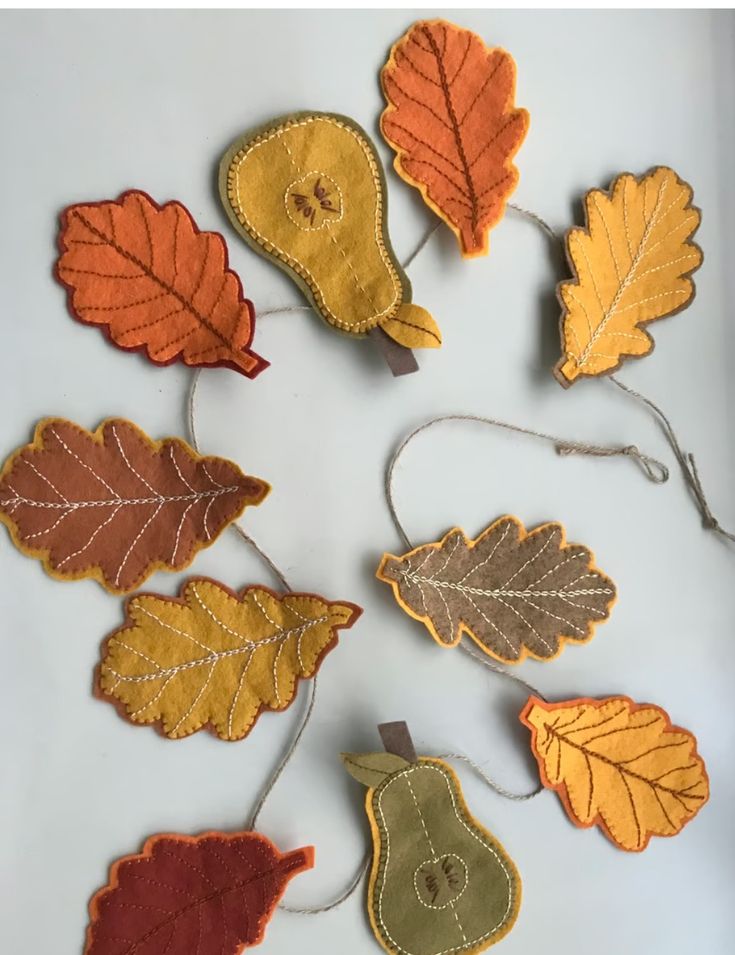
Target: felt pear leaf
x=514, y=592
x=632, y=264
x=153, y=282
x=213, y=893
x=452, y=123
x=212, y=656
x=114, y=505
x=307, y=191
x=371, y=769
x=440, y=881
x=619, y=765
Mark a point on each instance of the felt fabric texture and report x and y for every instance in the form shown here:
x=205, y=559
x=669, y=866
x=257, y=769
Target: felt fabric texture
x=213, y=656
x=632, y=264
x=212, y=894
x=515, y=592
x=154, y=283
x=452, y=123
x=114, y=505
x=307, y=191
x=440, y=882
x=618, y=765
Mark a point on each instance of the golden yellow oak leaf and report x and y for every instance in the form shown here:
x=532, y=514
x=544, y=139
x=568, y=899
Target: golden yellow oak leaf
x=215, y=656
x=632, y=264
x=619, y=765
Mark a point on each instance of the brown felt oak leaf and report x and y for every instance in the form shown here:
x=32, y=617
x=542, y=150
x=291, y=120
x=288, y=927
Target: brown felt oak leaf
x=452, y=122
x=632, y=264
x=619, y=765
x=147, y=276
x=514, y=592
x=215, y=656
x=114, y=505
x=211, y=895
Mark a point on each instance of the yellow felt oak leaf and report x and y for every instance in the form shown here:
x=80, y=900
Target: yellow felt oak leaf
x=632, y=264
x=619, y=765
x=215, y=656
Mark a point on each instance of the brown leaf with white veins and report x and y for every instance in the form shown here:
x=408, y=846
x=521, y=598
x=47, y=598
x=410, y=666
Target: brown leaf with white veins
x=514, y=592
x=114, y=505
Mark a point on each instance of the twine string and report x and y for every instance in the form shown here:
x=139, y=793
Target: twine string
x=686, y=461
x=655, y=470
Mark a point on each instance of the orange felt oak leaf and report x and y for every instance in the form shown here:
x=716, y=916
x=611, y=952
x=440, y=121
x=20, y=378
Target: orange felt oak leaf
x=619, y=765
x=114, y=505
x=155, y=283
x=212, y=894
x=451, y=120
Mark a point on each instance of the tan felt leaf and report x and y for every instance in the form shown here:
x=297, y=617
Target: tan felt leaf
x=114, y=505
x=619, y=765
x=514, y=592
x=155, y=283
x=632, y=263
x=216, y=657
x=452, y=123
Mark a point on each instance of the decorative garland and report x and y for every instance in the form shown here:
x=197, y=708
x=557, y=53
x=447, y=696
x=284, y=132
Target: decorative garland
x=308, y=192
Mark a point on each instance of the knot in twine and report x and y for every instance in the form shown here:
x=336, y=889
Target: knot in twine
x=654, y=469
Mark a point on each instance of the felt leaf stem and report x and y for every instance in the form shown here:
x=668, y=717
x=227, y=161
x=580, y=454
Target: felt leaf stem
x=153, y=282
x=452, y=123
x=211, y=894
x=632, y=264
x=114, y=505
x=514, y=592
x=215, y=656
x=619, y=765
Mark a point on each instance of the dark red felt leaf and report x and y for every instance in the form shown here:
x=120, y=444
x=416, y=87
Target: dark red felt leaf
x=192, y=895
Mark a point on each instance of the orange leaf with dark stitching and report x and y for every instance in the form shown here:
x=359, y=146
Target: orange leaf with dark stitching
x=114, y=505
x=154, y=282
x=452, y=122
x=619, y=765
x=192, y=895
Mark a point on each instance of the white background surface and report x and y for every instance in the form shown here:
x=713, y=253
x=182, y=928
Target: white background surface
x=92, y=104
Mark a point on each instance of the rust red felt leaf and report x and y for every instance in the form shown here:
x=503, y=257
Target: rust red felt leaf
x=154, y=282
x=452, y=122
x=192, y=895
x=113, y=504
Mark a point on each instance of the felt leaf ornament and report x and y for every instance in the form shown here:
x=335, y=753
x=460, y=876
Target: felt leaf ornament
x=153, y=282
x=114, y=505
x=514, y=592
x=453, y=126
x=440, y=882
x=619, y=765
x=632, y=264
x=214, y=656
x=211, y=894
x=307, y=191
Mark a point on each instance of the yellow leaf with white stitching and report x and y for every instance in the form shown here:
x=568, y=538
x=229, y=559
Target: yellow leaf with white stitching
x=212, y=656
x=632, y=265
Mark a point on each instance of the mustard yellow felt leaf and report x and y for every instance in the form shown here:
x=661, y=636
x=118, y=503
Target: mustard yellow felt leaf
x=632, y=263
x=619, y=765
x=413, y=327
x=215, y=656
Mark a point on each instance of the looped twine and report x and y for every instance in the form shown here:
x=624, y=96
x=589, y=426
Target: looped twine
x=654, y=469
x=686, y=462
